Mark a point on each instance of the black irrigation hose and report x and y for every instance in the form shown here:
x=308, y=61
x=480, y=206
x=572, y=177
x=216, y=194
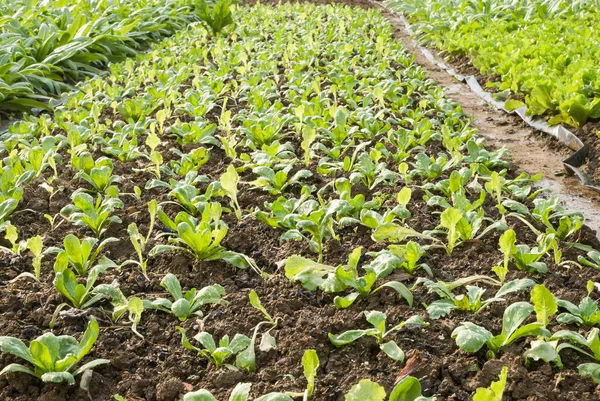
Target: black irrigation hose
x=563, y=135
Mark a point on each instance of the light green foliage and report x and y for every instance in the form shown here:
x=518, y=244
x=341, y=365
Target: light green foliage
x=586, y=313
x=472, y=301
x=229, y=181
x=81, y=256
x=54, y=358
x=544, y=304
x=407, y=389
x=496, y=389
x=185, y=305
x=471, y=337
x=96, y=215
x=219, y=353
x=216, y=17
x=134, y=306
x=201, y=237
x=379, y=332
x=334, y=279
x=499, y=39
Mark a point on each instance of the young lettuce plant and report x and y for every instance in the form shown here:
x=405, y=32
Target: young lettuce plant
x=185, y=305
x=526, y=258
x=463, y=227
x=247, y=358
x=585, y=314
x=12, y=236
x=370, y=172
x=54, y=358
x=407, y=389
x=229, y=182
x=121, y=305
x=139, y=241
x=405, y=257
x=276, y=182
x=472, y=301
x=378, y=321
x=35, y=245
x=95, y=215
x=79, y=295
x=313, y=275
x=241, y=392
x=471, y=337
x=217, y=354
x=201, y=238
x=100, y=176
x=315, y=228
x=80, y=255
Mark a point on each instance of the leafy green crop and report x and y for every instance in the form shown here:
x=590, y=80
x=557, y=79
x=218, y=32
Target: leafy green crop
x=537, y=48
x=201, y=237
x=471, y=337
x=407, y=389
x=332, y=279
x=81, y=256
x=217, y=353
x=216, y=17
x=185, y=305
x=472, y=301
x=586, y=313
x=378, y=321
x=134, y=306
x=95, y=215
x=54, y=358
x=496, y=389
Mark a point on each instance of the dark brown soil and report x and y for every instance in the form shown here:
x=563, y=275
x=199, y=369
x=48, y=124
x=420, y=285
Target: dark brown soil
x=159, y=369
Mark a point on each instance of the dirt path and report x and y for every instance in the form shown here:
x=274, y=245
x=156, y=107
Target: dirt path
x=528, y=153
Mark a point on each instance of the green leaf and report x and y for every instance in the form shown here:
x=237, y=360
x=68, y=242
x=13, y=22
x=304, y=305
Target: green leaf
x=171, y=283
x=241, y=392
x=17, y=368
x=15, y=347
x=392, y=350
x=255, y=302
x=513, y=104
x=590, y=370
x=508, y=242
x=310, y=363
x=470, y=337
x=181, y=309
x=496, y=390
x=349, y=336
x=545, y=351
x=345, y=301
x=408, y=389
x=366, y=390
x=544, y=304
x=88, y=340
x=312, y=274
x=403, y=197
x=200, y=395
x=58, y=377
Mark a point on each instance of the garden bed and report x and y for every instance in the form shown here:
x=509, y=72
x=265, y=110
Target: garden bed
x=277, y=59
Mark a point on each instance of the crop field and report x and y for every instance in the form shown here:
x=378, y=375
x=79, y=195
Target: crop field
x=282, y=208
x=538, y=53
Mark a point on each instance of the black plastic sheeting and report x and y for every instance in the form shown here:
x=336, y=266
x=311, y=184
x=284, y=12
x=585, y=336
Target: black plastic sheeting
x=563, y=135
